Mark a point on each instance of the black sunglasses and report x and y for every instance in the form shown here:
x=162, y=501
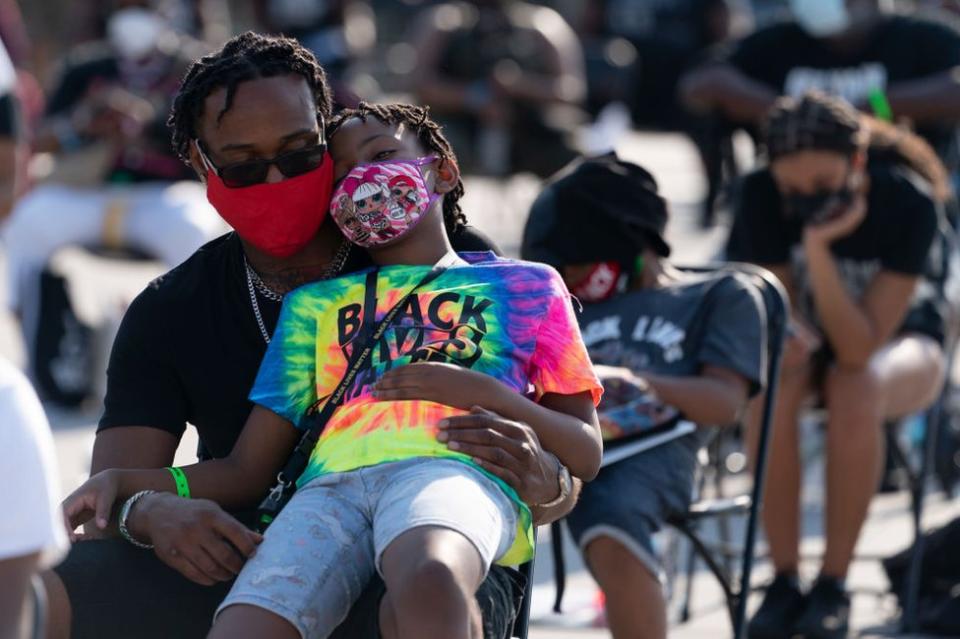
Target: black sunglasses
x=250, y=172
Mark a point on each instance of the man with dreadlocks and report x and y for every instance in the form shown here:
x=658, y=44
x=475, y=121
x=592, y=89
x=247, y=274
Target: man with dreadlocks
x=846, y=215
x=249, y=119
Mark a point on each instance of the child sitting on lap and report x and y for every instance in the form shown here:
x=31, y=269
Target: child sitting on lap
x=382, y=491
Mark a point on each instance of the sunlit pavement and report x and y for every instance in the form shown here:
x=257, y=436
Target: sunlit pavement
x=499, y=208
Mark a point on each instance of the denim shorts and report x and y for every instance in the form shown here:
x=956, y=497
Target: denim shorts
x=629, y=500
x=326, y=544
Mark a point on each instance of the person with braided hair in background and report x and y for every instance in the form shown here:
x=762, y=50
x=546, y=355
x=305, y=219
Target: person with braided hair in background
x=849, y=215
x=190, y=345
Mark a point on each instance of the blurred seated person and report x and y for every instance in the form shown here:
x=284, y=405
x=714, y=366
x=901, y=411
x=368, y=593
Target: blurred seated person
x=846, y=214
x=505, y=78
x=637, y=52
x=11, y=135
x=89, y=21
x=32, y=533
x=897, y=66
x=322, y=26
x=118, y=181
x=695, y=342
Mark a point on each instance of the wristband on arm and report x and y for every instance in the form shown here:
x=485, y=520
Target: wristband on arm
x=880, y=105
x=183, y=488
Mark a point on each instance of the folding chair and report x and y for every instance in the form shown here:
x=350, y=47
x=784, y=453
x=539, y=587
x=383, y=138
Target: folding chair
x=736, y=592
x=917, y=479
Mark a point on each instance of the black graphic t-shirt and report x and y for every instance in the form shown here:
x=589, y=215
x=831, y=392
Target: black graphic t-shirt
x=189, y=347
x=899, y=234
x=700, y=320
x=900, y=48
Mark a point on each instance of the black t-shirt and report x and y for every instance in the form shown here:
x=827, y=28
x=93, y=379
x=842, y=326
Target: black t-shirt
x=189, y=348
x=898, y=235
x=900, y=48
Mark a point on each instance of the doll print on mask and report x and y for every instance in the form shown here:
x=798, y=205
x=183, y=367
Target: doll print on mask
x=404, y=195
x=371, y=201
x=350, y=221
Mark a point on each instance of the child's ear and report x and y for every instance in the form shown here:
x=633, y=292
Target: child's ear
x=448, y=175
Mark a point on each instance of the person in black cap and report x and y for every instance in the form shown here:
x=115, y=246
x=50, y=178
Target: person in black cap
x=694, y=341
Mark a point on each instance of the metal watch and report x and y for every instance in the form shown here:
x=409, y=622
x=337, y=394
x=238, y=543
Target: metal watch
x=566, y=485
x=125, y=513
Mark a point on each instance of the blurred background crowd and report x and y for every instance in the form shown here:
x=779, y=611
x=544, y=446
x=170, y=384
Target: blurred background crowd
x=520, y=87
x=90, y=186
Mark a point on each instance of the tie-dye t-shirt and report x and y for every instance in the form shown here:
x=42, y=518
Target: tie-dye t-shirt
x=508, y=319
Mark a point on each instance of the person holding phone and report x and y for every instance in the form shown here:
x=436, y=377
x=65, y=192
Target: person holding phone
x=849, y=215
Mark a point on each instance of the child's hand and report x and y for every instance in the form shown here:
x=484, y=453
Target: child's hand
x=94, y=499
x=441, y=383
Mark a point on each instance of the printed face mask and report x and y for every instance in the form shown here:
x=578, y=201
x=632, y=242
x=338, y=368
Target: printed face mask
x=278, y=218
x=380, y=202
x=599, y=284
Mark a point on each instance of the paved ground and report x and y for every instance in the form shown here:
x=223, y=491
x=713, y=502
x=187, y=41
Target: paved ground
x=500, y=209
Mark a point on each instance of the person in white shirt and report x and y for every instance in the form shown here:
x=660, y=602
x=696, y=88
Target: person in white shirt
x=32, y=532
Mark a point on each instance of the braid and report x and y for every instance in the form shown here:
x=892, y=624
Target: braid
x=244, y=57
x=428, y=132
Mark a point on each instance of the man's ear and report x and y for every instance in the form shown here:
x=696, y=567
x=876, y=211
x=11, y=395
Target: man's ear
x=196, y=163
x=448, y=175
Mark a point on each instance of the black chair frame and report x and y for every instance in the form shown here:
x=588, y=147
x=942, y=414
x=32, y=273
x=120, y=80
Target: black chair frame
x=776, y=306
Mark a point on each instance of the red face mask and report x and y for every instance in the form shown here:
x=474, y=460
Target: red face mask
x=278, y=218
x=599, y=284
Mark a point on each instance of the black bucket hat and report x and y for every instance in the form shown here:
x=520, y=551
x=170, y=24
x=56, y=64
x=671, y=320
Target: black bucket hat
x=596, y=209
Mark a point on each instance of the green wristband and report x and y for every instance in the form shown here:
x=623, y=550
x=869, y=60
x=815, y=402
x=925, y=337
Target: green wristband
x=880, y=105
x=183, y=488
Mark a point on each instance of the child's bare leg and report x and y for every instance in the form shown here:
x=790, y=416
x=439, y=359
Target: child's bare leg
x=388, y=621
x=242, y=620
x=432, y=574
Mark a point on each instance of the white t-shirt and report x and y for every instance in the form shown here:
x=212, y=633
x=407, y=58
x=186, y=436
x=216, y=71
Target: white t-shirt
x=32, y=520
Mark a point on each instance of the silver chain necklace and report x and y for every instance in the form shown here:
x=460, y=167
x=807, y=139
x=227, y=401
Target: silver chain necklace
x=255, y=284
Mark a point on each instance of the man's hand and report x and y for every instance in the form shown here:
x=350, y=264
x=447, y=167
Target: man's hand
x=113, y=114
x=446, y=384
x=510, y=450
x=193, y=536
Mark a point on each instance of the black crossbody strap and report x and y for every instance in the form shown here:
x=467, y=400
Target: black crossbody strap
x=316, y=419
